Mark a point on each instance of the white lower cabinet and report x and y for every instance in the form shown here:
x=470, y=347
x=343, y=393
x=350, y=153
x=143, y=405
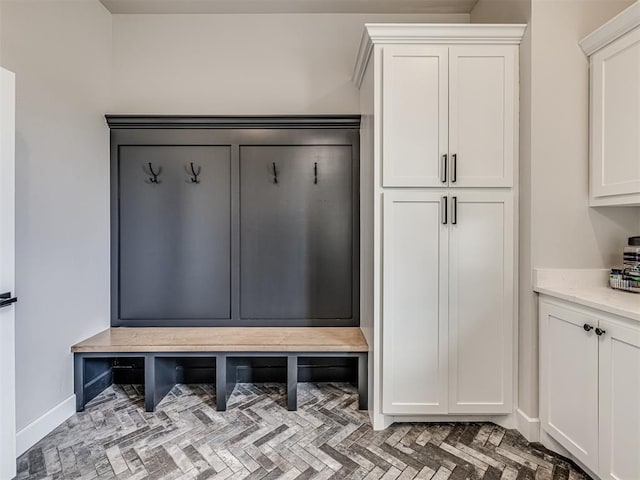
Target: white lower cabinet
x=590, y=387
x=619, y=377
x=569, y=380
x=447, y=280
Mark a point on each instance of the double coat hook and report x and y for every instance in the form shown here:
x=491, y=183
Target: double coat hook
x=195, y=172
x=154, y=177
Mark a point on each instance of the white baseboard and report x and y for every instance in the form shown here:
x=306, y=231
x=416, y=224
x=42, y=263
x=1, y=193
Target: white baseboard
x=527, y=426
x=507, y=421
x=41, y=427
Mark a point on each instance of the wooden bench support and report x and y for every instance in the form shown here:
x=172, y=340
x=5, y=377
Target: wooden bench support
x=363, y=381
x=221, y=382
x=160, y=376
x=292, y=382
x=162, y=348
x=232, y=379
x=93, y=373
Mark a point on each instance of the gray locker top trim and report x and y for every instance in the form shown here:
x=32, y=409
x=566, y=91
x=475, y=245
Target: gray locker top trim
x=233, y=121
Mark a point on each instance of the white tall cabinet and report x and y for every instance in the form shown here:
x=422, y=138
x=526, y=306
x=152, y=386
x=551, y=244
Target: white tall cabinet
x=438, y=222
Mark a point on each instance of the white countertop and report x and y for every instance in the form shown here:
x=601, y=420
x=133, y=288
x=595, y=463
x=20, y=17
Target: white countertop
x=588, y=287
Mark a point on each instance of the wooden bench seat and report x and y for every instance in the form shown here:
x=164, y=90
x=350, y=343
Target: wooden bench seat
x=161, y=347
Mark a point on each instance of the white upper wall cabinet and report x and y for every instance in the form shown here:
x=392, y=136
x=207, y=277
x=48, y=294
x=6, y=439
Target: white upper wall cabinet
x=614, y=51
x=448, y=115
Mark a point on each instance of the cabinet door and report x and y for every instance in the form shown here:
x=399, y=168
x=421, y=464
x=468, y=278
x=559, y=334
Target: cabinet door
x=615, y=117
x=414, y=320
x=569, y=380
x=481, y=302
x=619, y=402
x=175, y=245
x=296, y=233
x=482, y=115
x=414, y=115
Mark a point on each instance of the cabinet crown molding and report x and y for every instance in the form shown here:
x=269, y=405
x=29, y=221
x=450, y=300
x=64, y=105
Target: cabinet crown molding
x=434, y=34
x=622, y=23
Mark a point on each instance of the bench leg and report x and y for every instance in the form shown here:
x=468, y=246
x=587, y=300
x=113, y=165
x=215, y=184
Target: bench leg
x=91, y=375
x=221, y=383
x=78, y=380
x=149, y=382
x=292, y=382
x=363, y=379
x=231, y=378
x=164, y=379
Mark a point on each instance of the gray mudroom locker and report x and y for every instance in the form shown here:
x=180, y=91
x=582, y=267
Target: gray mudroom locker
x=235, y=221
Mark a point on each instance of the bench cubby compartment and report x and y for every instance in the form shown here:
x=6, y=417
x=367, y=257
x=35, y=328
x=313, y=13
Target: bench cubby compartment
x=93, y=372
x=300, y=370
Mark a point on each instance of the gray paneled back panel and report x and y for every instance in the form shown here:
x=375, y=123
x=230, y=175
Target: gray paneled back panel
x=157, y=282
x=175, y=245
x=296, y=236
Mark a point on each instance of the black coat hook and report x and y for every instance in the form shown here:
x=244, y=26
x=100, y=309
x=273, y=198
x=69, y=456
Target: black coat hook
x=195, y=172
x=315, y=173
x=154, y=178
x=275, y=173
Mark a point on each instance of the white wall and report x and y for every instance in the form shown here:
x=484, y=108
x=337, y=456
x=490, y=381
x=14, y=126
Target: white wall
x=241, y=64
x=501, y=11
x=61, y=53
x=567, y=232
x=557, y=227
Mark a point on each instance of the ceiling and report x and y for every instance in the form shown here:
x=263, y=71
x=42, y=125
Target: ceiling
x=289, y=6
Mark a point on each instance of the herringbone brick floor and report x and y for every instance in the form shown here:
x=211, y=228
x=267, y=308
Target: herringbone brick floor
x=257, y=438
